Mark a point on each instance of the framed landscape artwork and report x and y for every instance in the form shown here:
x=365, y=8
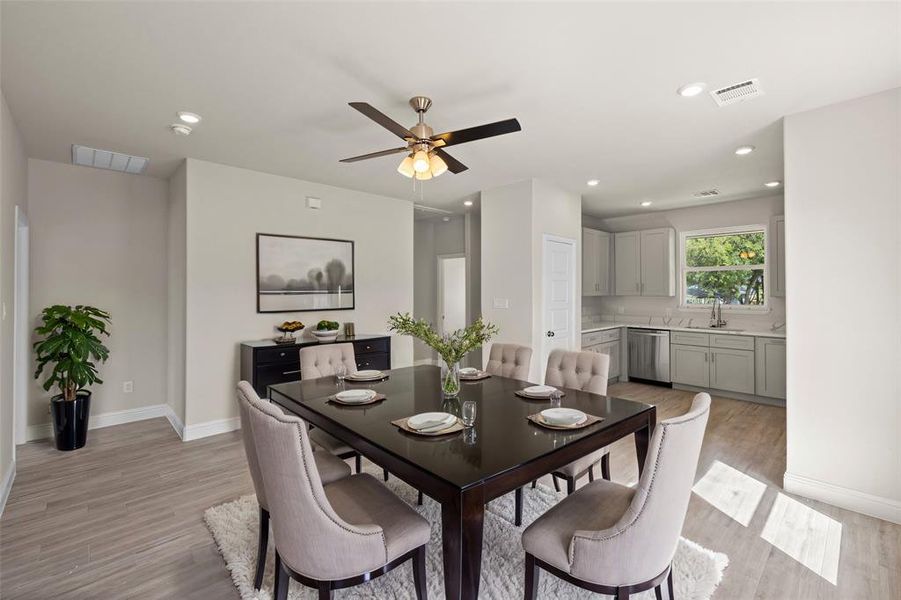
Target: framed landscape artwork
x=301, y=273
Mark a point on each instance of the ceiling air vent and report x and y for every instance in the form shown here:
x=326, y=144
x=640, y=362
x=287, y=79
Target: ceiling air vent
x=106, y=159
x=706, y=193
x=737, y=92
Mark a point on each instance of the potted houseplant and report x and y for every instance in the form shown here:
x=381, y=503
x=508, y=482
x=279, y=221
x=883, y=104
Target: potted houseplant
x=451, y=347
x=69, y=347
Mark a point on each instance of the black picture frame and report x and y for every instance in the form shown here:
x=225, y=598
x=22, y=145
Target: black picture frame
x=275, y=298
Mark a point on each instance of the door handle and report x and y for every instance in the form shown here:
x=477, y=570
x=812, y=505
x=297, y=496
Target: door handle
x=550, y=334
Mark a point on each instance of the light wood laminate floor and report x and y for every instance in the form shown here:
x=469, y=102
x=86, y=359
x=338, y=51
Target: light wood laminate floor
x=122, y=518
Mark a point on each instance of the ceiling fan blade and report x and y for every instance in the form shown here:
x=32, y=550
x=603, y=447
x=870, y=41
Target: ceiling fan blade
x=382, y=119
x=461, y=136
x=375, y=155
x=453, y=165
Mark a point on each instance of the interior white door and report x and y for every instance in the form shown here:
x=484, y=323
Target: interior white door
x=559, y=296
x=452, y=293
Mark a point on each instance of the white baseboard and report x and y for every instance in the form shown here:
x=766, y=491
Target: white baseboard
x=868, y=504
x=176, y=423
x=7, y=485
x=202, y=430
x=116, y=417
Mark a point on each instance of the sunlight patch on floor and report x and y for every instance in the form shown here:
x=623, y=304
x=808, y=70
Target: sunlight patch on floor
x=806, y=535
x=730, y=491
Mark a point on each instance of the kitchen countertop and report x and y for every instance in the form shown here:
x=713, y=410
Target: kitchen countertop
x=607, y=325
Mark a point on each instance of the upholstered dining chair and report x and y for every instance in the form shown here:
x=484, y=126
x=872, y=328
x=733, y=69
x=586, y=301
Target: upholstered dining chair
x=330, y=467
x=586, y=371
x=320, y=361
x=336, y=535
x=616, y=540
x=509, y=360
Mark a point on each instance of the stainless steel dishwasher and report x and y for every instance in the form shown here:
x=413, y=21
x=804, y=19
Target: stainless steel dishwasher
x=649, y=355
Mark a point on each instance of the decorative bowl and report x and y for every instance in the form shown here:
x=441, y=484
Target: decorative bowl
x=325, y=335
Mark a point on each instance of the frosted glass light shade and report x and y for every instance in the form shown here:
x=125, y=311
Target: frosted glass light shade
x=437, y=165
x=420, y=161
x=406, y=167
x=424, y=176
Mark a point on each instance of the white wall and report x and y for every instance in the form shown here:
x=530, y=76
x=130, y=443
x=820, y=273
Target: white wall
x=226, y=208
x=99, y=238
x=177, y=263
x=514, y=220
x=473, y=244
x=753, y=211
x=843, y=267
x=13, y=184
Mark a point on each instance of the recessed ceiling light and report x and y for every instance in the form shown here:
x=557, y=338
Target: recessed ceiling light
x=467, y=203
x=773, y=183
x=689, y=90
x=179, y=129
x=647, y=203
x=744, y=150
x=189, y=117
x=593, y=182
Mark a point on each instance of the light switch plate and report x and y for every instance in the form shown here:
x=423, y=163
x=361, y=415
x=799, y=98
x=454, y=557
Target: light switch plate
x=128, y=387
x=313, y=202
x=501, y=303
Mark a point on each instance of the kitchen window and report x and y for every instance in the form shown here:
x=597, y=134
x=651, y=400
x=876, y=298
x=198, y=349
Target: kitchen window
x=727, y=263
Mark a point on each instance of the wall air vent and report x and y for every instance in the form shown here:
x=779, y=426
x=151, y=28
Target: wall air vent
x=737, y=92
x=106, y=159
x=706, y=193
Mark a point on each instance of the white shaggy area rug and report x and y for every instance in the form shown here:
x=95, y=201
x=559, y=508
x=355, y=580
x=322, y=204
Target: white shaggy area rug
x=234, y=525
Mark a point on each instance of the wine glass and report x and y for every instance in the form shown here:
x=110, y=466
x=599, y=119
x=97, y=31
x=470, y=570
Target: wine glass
x=340, y=372
x=555, y=398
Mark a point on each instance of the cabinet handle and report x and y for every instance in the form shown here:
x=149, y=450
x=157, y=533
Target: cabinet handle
x=712, y=357
x=291, y=372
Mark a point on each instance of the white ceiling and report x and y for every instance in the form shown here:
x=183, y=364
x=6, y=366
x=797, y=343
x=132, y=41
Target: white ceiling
x=593, y=86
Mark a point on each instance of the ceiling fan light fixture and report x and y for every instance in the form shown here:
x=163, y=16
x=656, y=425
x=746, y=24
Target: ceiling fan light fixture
x=420, y=161
x=424, y=175
x=436, y=165
x=405, y=167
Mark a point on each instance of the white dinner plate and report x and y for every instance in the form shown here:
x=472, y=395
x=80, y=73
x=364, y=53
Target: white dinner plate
x=355, y=396
x=366, y=374
x=429, y=420
x=469, y=371
x=563, y=416
x=539, y=391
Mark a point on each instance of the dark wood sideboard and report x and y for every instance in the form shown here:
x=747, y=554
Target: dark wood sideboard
x=264, y=363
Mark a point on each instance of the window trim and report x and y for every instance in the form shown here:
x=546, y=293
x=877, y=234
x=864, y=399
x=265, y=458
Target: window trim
x=713, y=231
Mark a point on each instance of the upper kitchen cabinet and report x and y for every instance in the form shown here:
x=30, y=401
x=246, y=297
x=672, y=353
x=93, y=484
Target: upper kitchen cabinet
x=596, y=251
x=777, y=256
x=646, y=262
x=627, y=260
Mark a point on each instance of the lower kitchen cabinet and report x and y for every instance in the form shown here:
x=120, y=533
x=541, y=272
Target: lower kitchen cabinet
x=771, y=367
x=690, y=365
x=732, y=370
x=611, y=349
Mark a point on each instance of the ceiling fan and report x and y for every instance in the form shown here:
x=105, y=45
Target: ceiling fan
x=426, y=157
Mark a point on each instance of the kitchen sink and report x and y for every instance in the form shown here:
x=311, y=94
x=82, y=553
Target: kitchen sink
x=708, y=328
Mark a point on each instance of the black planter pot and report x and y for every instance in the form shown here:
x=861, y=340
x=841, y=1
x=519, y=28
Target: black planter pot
x=70, y=420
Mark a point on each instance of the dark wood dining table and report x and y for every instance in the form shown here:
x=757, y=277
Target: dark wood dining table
x=466, y=470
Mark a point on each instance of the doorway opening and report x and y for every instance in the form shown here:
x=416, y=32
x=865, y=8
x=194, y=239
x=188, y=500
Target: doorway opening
x=21, y=330
x=451, y=293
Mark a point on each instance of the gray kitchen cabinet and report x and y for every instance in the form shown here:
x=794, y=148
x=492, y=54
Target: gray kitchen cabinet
x=596, y=253
x=658, y=265
x=612, y=350
x=690, y=365
x=770, y=367
x=732, y=370
x=776, y=256
x=627, y=261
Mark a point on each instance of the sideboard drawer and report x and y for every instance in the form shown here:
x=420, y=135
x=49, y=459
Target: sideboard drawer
x=371, y=346
x=380, y=361
x=288, y=354
x=267, y=375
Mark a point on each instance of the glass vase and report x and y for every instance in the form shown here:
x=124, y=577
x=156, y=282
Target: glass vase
x=450, y=379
